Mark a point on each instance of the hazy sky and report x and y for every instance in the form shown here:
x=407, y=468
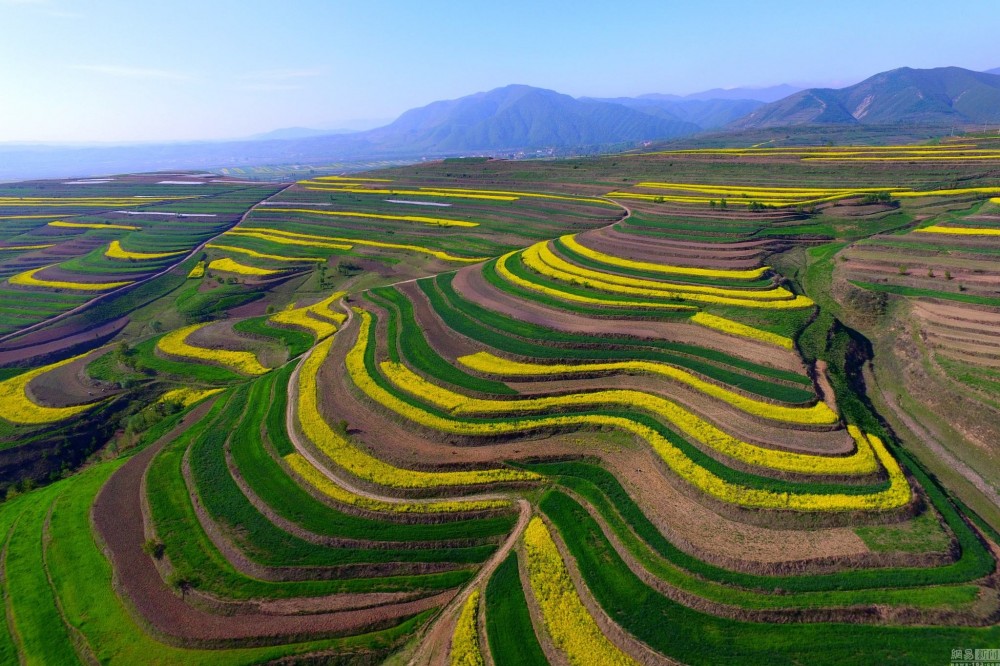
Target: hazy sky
x=134, y=70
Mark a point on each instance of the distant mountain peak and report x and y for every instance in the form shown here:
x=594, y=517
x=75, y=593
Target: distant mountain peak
x=904, y=95
x=517, y=117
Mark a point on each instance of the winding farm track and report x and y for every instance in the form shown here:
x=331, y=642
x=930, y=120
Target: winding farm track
x=137, y=283
x=434, y=647
x=117, y=515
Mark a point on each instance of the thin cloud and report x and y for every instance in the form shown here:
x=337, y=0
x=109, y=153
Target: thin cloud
x=277, y=75
x=135, y=72
x=266, y=87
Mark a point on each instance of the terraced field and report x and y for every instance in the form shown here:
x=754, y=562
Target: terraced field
x=634, y=409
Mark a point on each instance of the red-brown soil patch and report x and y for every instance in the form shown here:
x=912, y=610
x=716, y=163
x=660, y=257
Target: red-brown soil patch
x=117, y=517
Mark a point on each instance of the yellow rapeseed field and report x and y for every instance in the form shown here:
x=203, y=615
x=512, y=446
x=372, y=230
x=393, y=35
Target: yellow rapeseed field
x=742, y=330
x=540, y=259
x=324, y=187
x=28, y=279
x=317, y=318
x=228, y=265
x=16, y=248
x=961, y=231
x=292, y=238
x=506, y=274
x=186, y=397
x=573, y=630
x=175, y=344
x=861, y=462
x=895, y=496
x=536, y=195
x=321, y=482
x=116, y=251
x=465, y=640
x=18, y=407
x=198, y=270
x=818, y=414
x=92, y=225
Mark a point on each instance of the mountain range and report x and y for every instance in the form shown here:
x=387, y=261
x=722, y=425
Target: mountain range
x=519, y=119
x=945, y=95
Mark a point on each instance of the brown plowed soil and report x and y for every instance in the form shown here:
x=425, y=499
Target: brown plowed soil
x=959, y=316
x=701, y=531
x=46, y=335
x=117, y=517
x=11, y=355
x=69, y=384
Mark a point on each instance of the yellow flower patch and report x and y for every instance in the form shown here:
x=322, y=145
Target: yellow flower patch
x=322, y=187
x=949, y=193
x=895, y=496
x=91, y=225
x=317, y=318
x=735, y=328
x=288, y=238
x=28, y=279
x=349, y=179
x=961, y=231
x=187, y=396
x=536, y=195
x=17, y=248
x=18, y=408
x=175, y=344
x=116, y=251
x=573, y=630
x=321, y=482
x=198, y=270
x=292, y=238
x=228, y=265
x=465, y=640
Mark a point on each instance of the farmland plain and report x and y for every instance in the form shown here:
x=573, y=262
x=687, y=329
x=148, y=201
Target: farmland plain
x=698, y=406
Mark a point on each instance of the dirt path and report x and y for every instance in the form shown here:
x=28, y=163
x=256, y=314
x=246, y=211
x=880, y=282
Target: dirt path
x=434, y=647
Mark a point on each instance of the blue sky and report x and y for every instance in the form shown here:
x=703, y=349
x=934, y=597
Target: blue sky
x=151, y=70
